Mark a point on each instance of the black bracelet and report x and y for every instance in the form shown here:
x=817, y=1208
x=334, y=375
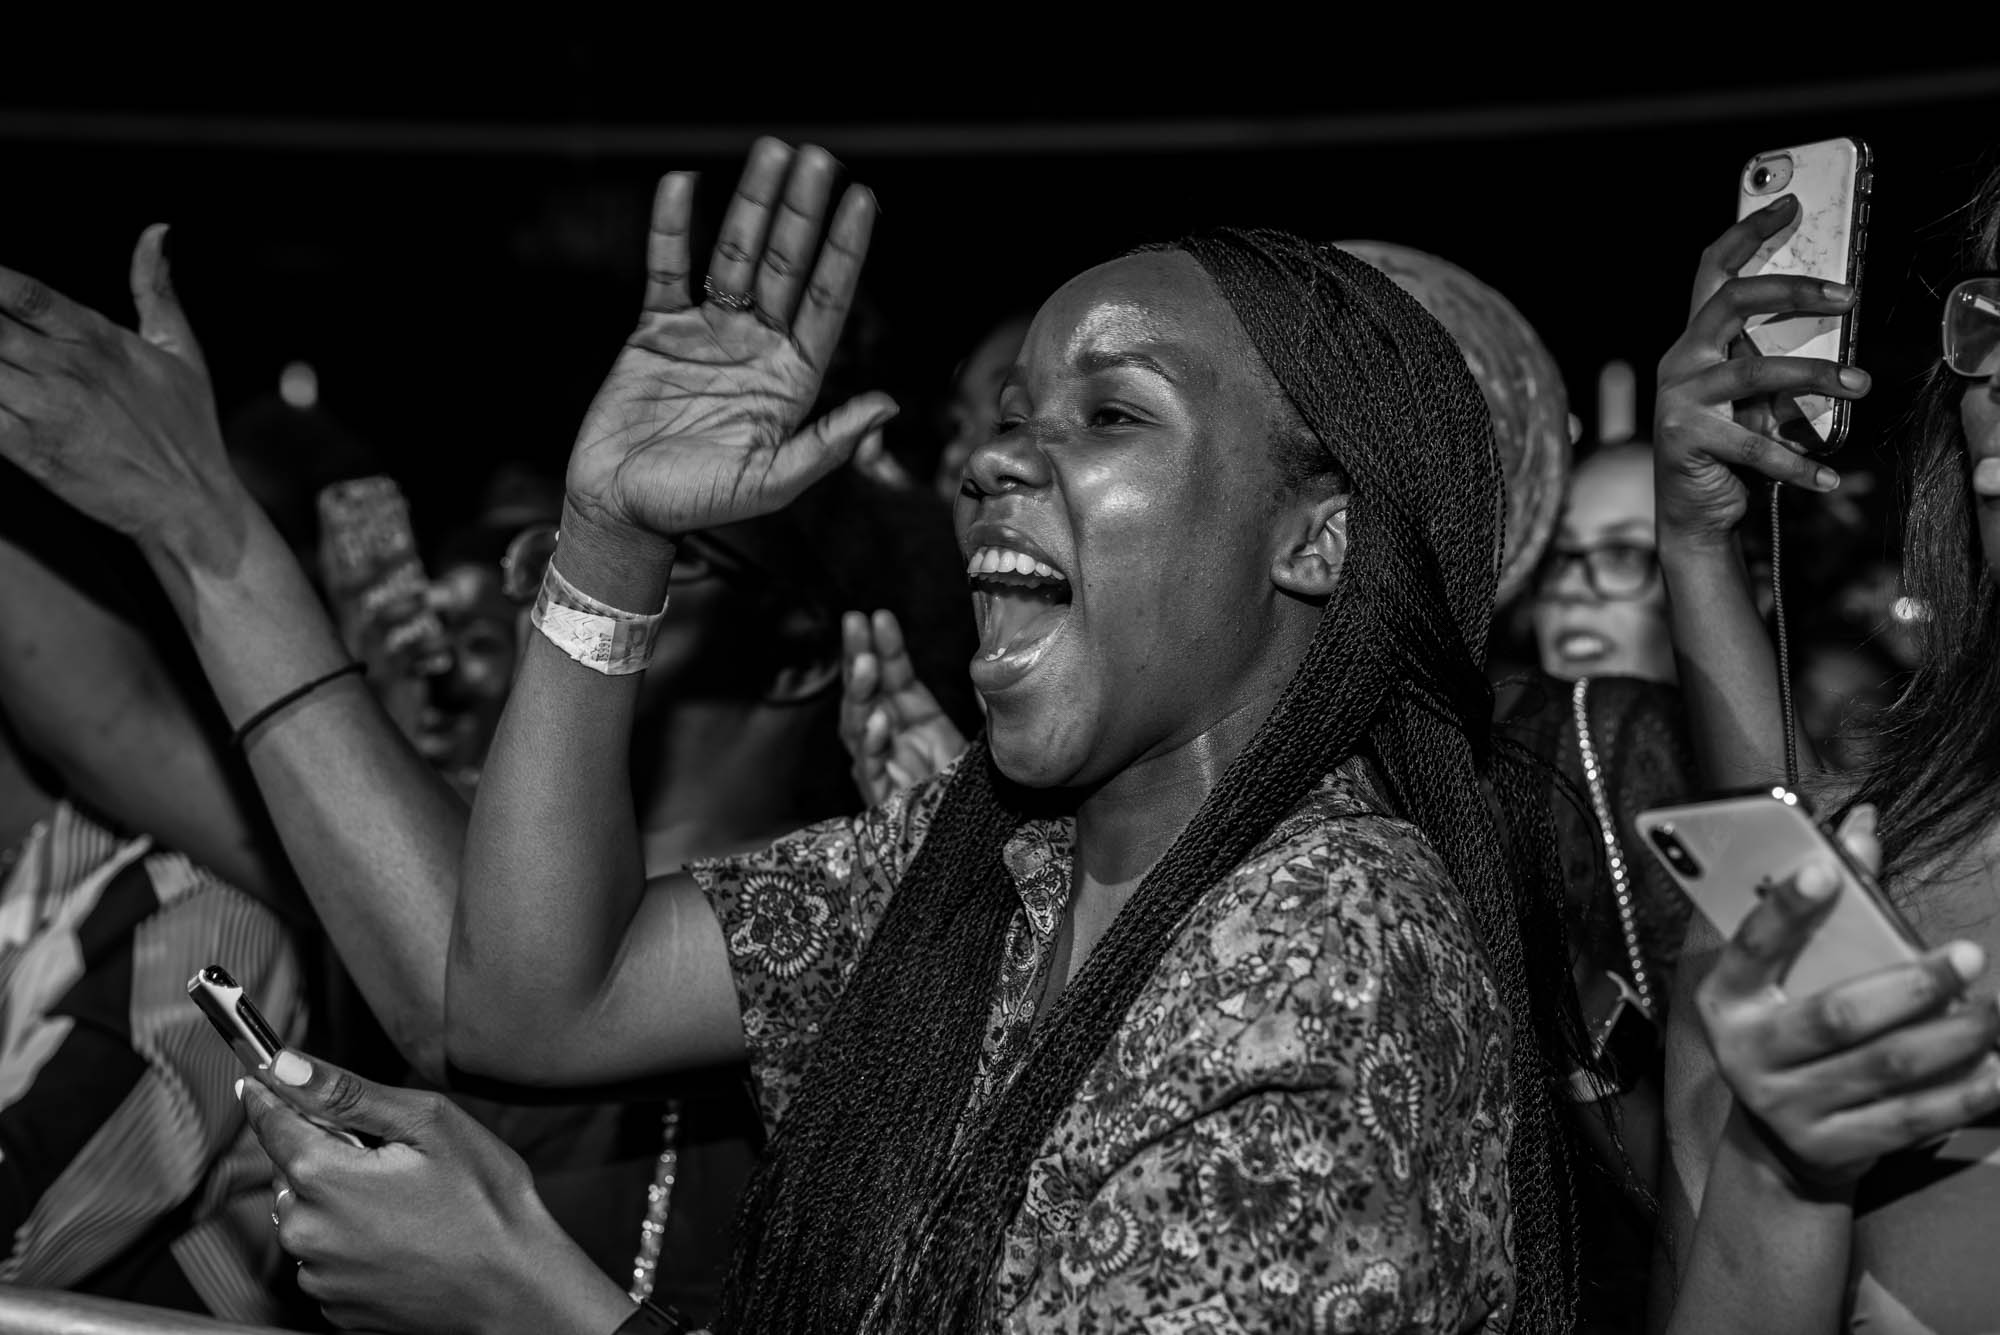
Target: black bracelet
x=652, y=1319
x=263, y=716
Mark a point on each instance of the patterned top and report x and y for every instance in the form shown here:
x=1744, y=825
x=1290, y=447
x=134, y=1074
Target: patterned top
x=1302, y=1123
x=126, y=1166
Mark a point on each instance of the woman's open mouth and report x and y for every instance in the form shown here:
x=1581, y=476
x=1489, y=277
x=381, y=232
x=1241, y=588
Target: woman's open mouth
x=1021, y=603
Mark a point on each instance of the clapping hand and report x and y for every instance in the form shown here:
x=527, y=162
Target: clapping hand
x=698, y=423
x=893, y=727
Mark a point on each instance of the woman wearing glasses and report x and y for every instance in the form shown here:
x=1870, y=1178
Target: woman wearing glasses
x=1831, y=1153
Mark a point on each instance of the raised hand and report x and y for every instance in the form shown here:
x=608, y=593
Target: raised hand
x=122, y=425
x=436, y=1228
x=1860, y=1070
x=1712, y=416
x=698, y=423
x=895, y=732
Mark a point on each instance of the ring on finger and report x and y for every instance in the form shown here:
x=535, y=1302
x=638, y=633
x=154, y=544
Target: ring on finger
x=729, y=301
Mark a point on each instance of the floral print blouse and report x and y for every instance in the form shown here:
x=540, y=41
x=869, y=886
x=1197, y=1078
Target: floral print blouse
x=1301, y=1125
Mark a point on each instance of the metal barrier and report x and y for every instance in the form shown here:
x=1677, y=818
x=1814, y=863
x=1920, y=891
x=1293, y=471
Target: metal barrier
x=52, y=1312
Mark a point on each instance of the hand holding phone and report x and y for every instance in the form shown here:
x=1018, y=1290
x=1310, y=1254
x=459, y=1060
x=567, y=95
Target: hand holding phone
x=1825, y=239
x=1835, y=1079
x=1729, y=853
x=243, y=1027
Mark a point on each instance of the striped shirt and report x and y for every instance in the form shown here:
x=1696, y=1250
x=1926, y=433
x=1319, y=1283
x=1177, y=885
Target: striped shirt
x=126, y=1166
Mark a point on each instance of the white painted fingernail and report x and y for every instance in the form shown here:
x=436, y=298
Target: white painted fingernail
x=1967, y=959
x=291, y=1069
x=239, y=1088
x=1815, y=881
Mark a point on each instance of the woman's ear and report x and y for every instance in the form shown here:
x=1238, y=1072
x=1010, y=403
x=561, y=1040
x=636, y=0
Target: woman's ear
x=1310, y=562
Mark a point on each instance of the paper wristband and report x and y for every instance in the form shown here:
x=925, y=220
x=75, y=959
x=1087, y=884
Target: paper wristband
x=601, y=637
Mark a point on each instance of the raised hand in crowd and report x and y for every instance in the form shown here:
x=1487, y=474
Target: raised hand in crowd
x=122, y=425
x=697, y=423
x=1715, y=431
x=892, y=726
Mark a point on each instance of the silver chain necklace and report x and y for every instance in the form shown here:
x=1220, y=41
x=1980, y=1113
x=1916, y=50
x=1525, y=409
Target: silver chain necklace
x=1614, y=853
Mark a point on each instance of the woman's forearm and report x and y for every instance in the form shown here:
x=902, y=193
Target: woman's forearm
x=1763, y=1259
x=374, y=835
x=553, y=870
x=1728, y=671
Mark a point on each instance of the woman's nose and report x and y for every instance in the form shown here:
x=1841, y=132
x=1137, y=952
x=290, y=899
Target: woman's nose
x=1011, y=461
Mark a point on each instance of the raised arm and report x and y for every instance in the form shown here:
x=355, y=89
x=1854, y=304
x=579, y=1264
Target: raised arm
x=1711, y=432
x=90, y=697
x=562, y=968
x=123, y=426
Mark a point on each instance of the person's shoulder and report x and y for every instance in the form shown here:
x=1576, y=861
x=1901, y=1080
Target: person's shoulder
x=1347, y=916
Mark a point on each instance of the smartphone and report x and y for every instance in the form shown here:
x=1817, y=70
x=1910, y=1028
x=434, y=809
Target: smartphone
x=244, y=1028
x=1826, y=239
x=1728, y=853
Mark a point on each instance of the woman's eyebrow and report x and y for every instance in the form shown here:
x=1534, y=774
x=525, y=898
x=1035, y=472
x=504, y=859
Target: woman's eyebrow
x=1095, y=360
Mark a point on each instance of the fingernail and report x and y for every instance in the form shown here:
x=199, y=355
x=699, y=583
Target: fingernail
x=291, y=1069
x=1782, y=204
x=239, y=1088
x=1853, y=377
x=1838, y=292
x=1814, y=882
x=1967, y=960
x=1826, y=479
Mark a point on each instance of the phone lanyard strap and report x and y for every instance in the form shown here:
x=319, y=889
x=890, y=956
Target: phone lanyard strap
x=1614, y=853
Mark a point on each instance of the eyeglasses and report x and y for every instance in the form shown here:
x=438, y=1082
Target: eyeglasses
x=697, y=556
x=1614, y=571
x=1972, y=327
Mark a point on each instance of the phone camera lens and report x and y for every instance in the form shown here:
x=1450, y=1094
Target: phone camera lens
x=1675, y=853
x=1760, y=178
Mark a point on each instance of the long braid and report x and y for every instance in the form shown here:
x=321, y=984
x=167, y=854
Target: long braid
x=868, y=1215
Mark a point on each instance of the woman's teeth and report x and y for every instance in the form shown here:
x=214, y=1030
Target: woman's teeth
x=1006, y=561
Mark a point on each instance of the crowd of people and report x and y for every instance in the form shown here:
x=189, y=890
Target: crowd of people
x=695, y=920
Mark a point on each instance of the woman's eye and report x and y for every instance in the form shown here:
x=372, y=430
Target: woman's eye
x=1006, y=426
x=1111, y=417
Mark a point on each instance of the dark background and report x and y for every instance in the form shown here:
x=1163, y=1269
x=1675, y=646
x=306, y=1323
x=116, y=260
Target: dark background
x=451, y=233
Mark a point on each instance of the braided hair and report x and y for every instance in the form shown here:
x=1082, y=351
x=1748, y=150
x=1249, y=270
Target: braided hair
x=876, y=1210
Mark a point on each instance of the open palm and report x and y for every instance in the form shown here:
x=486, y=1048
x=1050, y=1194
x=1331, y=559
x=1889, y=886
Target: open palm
x=698, y=423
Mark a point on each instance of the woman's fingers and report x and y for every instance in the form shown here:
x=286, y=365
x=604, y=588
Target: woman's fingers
x=1754, y=961
x=733, y=266
x=1910, y=1056
x=162, y=322
x=835, y=276
x=668, y=260
x=1883, y=1127
x=41, y=308
x=1723, y=316
x=796, y=224
x=1735, y=247
x=1858, y=835
x=898, y=672
x=1855, y=1013
x=828, y=443
x=1740, y=448
x=1755, y=377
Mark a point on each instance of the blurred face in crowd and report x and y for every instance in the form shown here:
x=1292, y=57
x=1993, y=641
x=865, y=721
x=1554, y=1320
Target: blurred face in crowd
x=462, y=706
x=975, y=395
x=1122, y=528
x=1600, y=604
